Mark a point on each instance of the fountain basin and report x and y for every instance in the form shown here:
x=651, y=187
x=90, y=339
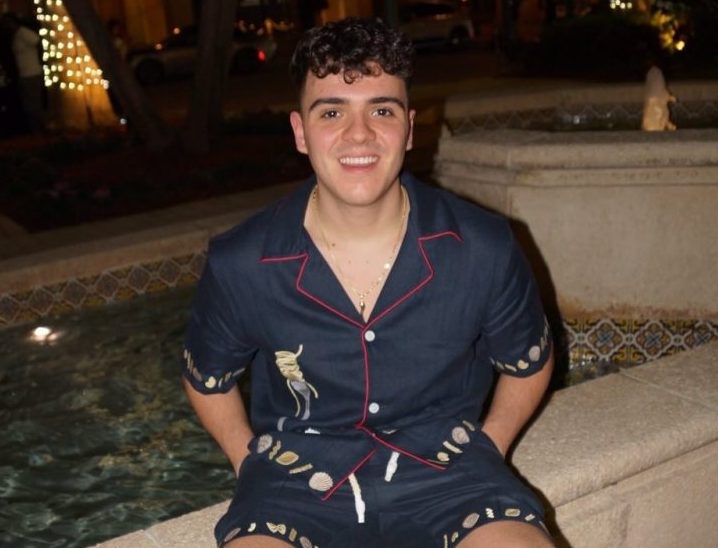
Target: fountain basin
x=622, y=224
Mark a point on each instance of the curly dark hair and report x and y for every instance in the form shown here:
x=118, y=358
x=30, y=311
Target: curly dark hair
x=355, y=46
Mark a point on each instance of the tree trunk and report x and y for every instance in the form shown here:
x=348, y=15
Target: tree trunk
x=204, y=117
x=144, y=120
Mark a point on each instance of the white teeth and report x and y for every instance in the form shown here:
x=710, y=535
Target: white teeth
x=358, y=160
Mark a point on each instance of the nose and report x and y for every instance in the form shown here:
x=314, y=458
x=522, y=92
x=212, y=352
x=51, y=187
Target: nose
x=359, y=129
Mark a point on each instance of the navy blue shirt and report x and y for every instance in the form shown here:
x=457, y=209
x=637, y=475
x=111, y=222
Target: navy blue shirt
x=328, y=388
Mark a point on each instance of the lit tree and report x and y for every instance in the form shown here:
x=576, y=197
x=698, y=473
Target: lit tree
x=145, y=122
x=204, y=113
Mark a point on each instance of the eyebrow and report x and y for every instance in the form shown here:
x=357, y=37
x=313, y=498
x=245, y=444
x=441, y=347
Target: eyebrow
x=342, y=101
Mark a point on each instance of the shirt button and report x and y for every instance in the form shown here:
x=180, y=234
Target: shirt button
x=369, y=336
x=373, y=408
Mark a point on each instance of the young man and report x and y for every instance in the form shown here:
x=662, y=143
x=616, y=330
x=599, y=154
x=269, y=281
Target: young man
x=371, y=309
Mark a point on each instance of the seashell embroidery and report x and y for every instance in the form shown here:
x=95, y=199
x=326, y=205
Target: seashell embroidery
x=522, y=365
x=305, y=542
x=460, y=435
x=233, y=533
x=442, y=456
x=275, y=450
x=321, y=481
x=534, y=353
x=452, y=448
x=469, y=426
x=289, y=368
x=277, y=528
x=512, y=512
x=287, y=458
x=300, y=469
x=264, y=443
x=292, y=535
x=470, y=520
x=454, y=536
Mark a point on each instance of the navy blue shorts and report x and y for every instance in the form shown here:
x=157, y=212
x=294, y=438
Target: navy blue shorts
x=418, y=508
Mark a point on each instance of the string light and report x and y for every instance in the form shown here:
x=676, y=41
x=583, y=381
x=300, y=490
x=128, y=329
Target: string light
x=67, y=62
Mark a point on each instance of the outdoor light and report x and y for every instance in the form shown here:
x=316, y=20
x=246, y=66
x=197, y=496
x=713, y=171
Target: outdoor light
x=69, y=61
x=43, y=335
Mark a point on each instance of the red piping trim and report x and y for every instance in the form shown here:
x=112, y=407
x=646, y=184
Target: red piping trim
x=281, y=259
x=420, y=243
x=345, y=478
x=366, y=377
x=300, y=289
x=400, y=450
x=364, y=328
x=387, y=310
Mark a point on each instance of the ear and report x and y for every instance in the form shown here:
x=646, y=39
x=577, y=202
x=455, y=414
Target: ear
x=410, y=137
x=298, y=128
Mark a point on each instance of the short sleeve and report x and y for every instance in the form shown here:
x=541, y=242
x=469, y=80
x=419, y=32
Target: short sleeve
x=216, y=352
x=516, y=330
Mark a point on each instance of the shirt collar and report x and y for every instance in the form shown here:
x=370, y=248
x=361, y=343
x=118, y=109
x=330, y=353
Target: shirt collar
x=286, y=236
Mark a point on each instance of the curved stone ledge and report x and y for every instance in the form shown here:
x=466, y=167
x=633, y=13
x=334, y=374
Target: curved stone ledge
x=465, y=105
x=525, y=149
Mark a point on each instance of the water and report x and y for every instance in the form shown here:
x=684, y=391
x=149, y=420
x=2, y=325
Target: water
x=97, y=437
x=588, y=117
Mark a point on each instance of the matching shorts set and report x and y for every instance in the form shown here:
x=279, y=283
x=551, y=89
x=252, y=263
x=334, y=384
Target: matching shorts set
x=366, y=431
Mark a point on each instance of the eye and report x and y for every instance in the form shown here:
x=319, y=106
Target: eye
x=383, y=112
x=329, y=114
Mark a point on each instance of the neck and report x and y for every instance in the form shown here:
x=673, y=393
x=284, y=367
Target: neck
x=359, y=254
x=362, y=222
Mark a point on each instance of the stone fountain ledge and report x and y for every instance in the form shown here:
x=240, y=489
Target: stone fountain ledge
x=626, y=460
x=467, y=105
x=51, y=273
x=622, y=224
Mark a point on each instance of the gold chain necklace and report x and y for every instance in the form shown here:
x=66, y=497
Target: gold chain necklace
x=386, y=267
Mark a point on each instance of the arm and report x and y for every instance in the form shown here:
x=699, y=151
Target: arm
x=224, y=417
x=515, y=400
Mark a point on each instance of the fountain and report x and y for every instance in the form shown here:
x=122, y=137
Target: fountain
x=620, y=222
x=656, y=115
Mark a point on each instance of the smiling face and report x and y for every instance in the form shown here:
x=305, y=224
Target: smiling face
x=355, y=134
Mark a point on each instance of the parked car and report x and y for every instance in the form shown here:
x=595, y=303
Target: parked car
x=176, y=54
x=435, y=22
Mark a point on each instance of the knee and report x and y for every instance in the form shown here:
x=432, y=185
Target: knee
x=507, y=534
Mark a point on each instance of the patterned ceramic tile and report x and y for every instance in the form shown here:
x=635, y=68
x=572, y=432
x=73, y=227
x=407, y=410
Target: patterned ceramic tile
x=196, y=265
x=592, y=347
x=99, y=289
x=138, y=278
x=169, y=271
x=40, y=301
x=625, y=343
x=106, y=285
x=74, y=293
